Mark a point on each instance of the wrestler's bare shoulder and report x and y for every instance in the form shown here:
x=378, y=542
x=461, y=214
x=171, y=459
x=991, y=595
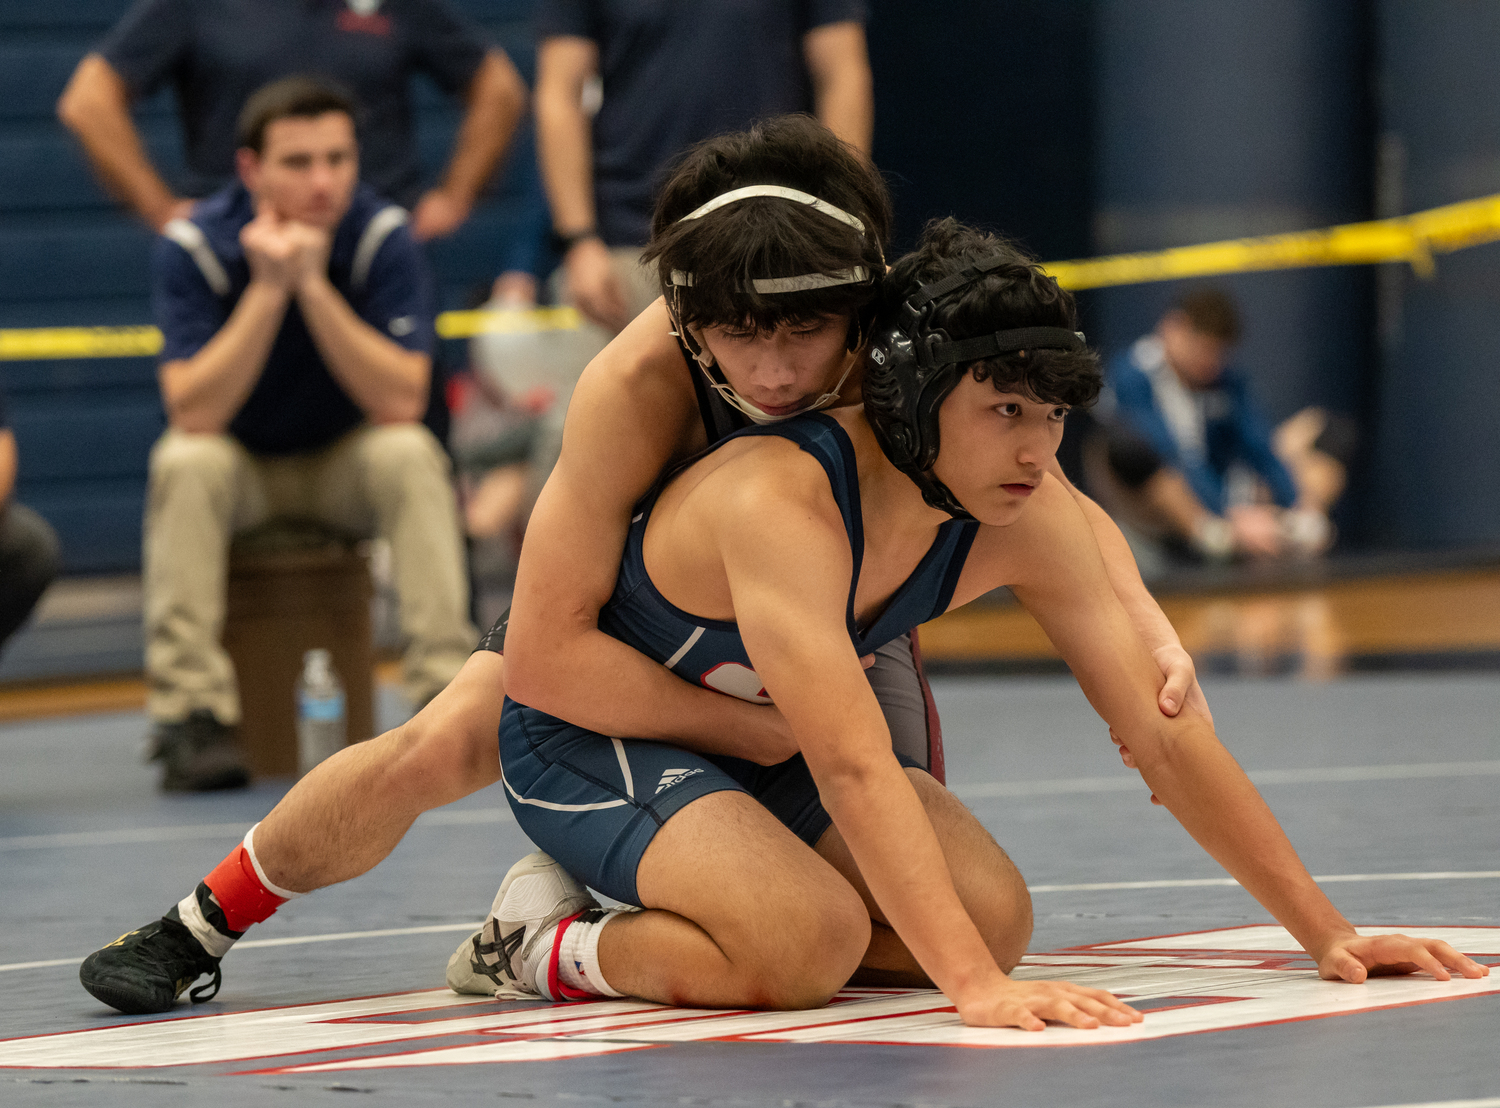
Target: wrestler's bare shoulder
x=751, y=475
x=642, y=377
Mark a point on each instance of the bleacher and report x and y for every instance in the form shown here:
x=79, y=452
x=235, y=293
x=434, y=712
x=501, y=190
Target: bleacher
x=69, y=256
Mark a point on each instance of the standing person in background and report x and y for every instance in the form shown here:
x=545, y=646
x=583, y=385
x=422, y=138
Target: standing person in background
x=297, y=322
x=1196, y=459
x=28, y=546
x=217, y=52
x=673, y=74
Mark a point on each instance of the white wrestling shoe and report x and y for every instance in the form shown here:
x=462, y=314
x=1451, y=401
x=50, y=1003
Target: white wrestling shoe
x=515, y=952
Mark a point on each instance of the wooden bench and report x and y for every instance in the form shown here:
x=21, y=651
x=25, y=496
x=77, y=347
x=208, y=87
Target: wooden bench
x=293, y=587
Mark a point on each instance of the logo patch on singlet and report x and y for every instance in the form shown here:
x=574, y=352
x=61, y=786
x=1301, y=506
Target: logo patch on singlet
x=737, y=680
x=673, y=776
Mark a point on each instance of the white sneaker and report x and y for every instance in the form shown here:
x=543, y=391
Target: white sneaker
x=515, y=950
x=468, y=972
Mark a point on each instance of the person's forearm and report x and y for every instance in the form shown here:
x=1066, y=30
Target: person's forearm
x=598, y=682
x=1146, y=616
x=1200, y=783
x=387, y=381
x=7, y=465
x=203, y=393
x=565, y=155
x=496, y=99
x=95, y=106
x=891, y=838
x=838, y=62
x=846, y=106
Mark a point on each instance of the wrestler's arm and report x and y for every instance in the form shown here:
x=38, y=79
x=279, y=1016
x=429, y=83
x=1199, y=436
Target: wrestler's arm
x=787, y=561
x=1146, y=616
x=1058, y=575
x=631, y=415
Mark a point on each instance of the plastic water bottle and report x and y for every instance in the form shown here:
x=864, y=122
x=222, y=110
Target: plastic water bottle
x=321, y=728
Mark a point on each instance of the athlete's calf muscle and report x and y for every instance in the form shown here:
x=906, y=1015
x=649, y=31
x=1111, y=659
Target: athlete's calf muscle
x=345, y=816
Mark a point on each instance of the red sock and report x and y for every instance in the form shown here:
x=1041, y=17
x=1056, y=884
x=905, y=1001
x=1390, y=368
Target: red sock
x=245, y=896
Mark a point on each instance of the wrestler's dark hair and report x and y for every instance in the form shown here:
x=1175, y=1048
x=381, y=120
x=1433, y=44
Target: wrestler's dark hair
x=1017, y=294
x=296, y=97
x=765, y=237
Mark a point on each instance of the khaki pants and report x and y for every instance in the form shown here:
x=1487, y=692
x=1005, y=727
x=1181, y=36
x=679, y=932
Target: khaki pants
x=392, y=481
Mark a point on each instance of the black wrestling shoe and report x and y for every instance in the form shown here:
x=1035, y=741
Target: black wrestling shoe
x=199, y=754
x=146, y=970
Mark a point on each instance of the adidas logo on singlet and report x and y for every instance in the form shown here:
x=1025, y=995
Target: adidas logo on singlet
x=673, y=776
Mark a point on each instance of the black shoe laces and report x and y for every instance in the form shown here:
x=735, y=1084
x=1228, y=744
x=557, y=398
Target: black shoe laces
x=208, y=991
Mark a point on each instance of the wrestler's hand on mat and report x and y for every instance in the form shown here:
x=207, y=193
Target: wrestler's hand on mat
x=1357, y=957
x=1026, y=1004
x=1181, y=688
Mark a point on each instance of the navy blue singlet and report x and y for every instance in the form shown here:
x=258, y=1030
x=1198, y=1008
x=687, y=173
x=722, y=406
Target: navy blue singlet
x=595, y=802
x=709, y=652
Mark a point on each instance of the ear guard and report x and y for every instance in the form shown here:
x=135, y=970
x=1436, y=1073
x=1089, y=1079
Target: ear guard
x=914, y=366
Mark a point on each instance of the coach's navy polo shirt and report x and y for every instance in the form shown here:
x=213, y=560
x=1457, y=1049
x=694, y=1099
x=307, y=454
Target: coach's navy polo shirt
x=296, y=405
x=216, y=53
x=679, y=71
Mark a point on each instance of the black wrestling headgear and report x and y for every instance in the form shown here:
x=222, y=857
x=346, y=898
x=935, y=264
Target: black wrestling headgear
x=914, y=366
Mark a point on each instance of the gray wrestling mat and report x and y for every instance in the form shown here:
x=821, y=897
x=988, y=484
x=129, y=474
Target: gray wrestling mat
x=1386, y=785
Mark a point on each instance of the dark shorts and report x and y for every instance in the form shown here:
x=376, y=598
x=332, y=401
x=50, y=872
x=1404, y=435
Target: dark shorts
x=595, y=803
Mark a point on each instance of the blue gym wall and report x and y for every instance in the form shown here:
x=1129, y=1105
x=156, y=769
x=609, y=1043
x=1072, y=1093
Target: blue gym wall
x=69, y=256
x=1437, y=461
x=986, y=113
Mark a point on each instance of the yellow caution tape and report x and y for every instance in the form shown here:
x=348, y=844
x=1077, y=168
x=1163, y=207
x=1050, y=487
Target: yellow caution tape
x=79, y=342
x=512, y=321
x=37, y=343
x=1412, y=239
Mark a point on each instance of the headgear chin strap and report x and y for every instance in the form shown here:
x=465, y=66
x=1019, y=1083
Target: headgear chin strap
x=705, y=362
x=766, y=286
x=913, y=367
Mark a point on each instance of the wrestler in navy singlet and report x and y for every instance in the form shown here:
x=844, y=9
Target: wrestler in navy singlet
x=896, y=675
x=595, y=802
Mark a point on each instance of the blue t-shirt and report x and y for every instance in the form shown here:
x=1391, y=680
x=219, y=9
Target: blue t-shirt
x=216, y=53
x=679, y=71
x=1233, y=429
x=296, y=404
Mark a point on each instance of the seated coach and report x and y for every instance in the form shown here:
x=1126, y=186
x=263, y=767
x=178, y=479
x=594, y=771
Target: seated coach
x=297, y=316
